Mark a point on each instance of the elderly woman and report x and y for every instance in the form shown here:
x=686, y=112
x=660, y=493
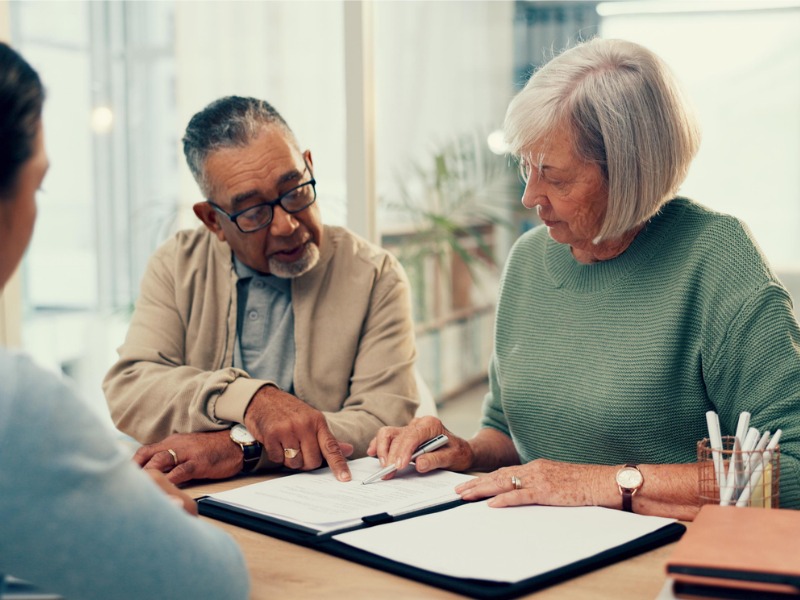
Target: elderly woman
x=627, y=316
x=76, y=516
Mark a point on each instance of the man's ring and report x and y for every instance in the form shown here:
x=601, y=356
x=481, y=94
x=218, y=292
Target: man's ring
x=516, y=482
x=290, y=453
x=173, y=455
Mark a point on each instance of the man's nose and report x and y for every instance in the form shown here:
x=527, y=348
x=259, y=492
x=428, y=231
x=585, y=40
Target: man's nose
x=283, y=223
x=534, y=194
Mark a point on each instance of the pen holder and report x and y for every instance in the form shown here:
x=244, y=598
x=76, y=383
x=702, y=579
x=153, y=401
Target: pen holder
x=737, y=477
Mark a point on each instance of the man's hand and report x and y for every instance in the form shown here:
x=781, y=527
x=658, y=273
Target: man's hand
x=207, y=455
x=281, y=422
x=395, y=445
x=178, y=497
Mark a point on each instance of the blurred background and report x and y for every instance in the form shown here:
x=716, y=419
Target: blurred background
x=401, y=104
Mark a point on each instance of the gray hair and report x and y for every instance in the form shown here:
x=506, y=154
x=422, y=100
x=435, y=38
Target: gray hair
x=230, y=122
x=625, y=112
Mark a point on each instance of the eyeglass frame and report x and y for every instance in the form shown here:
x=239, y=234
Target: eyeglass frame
x=271, y=203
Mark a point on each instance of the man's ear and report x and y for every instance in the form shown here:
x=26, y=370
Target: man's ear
x=206, y=213
x=309, y=160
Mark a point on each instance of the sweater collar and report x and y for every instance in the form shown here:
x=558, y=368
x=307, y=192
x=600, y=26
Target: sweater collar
x=566, y=272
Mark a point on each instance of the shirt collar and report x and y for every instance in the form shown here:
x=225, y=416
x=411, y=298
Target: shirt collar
x=244, y=273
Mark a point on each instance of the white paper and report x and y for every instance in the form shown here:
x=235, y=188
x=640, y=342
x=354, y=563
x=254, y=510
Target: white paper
x=502, y=544
x=319, y=501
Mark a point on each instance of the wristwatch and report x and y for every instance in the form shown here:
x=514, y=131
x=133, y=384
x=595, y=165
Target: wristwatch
x=251, y=447
x=629, y=480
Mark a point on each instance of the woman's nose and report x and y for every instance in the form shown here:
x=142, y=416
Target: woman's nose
x=283, y=223
x=533, y=195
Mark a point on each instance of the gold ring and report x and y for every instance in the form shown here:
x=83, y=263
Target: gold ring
x=290, y=453
x=173, y=455
x=516, y=482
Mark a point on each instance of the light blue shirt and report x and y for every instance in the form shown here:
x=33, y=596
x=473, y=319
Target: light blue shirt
x=265, y=327
x=78, y=518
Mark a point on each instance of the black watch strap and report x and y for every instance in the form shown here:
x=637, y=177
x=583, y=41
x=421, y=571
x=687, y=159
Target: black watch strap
x=252, y=454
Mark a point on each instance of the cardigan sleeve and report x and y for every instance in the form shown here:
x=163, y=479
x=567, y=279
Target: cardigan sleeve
x=167, y=378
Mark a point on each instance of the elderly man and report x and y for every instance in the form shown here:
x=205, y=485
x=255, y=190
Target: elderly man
x=263, y=338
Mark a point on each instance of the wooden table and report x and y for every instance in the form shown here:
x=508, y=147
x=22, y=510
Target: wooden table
x=288, y=571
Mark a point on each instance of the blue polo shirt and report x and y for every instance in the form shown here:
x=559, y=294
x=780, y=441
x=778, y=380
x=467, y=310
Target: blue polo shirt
x=265, y=327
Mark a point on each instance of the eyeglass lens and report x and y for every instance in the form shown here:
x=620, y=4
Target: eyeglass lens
x=296, y=200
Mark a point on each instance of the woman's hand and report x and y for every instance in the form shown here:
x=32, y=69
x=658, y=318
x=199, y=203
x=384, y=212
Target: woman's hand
x=395, y=445
x=668, y=490
x=540, y=481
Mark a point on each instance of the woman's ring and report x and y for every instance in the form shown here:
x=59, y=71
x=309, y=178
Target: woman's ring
x=290, y=453
x=516, y=482
x=174, y=456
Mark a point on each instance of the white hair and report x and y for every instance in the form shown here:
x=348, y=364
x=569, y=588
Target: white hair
x=625, y=112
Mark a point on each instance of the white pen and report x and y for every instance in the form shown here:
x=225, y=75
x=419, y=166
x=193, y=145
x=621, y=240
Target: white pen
x=755, y=477
x=715, y=441
x=429, y=446
x=726, y=493
x=745, y=468
x=757, y=456
x=742, y=426
x=736, y=466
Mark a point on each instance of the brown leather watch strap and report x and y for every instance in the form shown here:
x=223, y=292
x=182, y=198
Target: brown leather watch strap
x=627, y=500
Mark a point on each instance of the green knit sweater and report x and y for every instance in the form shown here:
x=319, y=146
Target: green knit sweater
x=618, y=361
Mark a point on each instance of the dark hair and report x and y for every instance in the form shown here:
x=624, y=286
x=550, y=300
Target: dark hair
x=231, y=121
x=21, y=99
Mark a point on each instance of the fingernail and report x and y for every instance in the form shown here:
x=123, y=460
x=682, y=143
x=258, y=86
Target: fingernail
x=344, y=477
x=382, y=461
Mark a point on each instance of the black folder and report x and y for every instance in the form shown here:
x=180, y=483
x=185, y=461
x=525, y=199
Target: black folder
x=474, y=588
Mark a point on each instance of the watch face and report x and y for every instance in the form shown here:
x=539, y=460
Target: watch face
x=629, y=478
x=240, y=435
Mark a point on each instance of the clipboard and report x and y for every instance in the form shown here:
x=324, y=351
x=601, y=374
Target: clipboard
x=474, y=588
x=291, y=532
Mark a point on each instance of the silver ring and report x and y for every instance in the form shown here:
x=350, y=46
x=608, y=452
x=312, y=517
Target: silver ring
x=516, y=482
x=290, y=453
x=173, y=455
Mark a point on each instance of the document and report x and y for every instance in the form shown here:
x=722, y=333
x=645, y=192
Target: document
x=475, y=541
x=316, y=500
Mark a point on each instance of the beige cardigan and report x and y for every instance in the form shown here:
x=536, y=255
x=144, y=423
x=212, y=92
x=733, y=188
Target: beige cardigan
x=353, y=333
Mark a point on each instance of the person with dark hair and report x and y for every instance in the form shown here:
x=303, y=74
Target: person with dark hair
x=77, y=517
x=262, y=338
x=627, y=316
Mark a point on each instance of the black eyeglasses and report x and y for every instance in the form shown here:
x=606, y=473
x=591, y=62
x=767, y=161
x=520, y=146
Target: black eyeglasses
x=259, y=216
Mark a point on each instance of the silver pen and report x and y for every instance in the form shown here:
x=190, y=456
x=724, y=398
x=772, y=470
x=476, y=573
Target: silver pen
x=429, y=446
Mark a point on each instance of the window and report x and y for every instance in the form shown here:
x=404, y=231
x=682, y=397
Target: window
x=123, y=79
